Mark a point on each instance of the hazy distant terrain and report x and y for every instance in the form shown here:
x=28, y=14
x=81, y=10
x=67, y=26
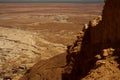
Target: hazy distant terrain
x=61, y=20
x=51, y=1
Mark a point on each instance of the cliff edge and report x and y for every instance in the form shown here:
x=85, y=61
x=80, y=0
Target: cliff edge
x=95, y=53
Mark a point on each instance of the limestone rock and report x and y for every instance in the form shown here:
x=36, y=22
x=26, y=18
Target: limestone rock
x=105, y=52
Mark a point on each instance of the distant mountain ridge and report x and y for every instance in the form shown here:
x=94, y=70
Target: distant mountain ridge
x=51, y=1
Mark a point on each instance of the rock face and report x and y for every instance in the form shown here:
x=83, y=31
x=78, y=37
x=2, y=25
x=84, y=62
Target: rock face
x=107, y=31
x=99, y=46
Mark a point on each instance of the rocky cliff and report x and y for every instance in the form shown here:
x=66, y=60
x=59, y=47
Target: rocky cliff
x=97, y=57
x=95, y=53
x=107, y=31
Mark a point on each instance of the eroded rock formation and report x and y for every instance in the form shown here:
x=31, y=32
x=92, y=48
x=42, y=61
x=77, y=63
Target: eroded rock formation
x=100, y=45
x=95, y=53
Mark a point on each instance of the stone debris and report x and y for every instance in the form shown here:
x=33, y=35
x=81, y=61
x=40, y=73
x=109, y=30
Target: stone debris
x=105, y=53
x=98, y=56
x=95, y=21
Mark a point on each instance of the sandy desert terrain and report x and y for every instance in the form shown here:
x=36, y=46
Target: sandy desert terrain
x=33, y=32
x=59, y=19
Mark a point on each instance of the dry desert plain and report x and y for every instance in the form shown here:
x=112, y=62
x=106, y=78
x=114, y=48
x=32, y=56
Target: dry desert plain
x=37, y=31
x=57, y=22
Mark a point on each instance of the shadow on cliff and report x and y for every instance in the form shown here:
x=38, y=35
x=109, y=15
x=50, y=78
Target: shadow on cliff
x=117, y=55
x=81, y=62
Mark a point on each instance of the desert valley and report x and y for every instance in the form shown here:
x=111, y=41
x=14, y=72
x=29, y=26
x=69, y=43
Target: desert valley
x=37, y=32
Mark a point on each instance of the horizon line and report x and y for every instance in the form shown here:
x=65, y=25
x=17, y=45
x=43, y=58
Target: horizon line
x=51, y=2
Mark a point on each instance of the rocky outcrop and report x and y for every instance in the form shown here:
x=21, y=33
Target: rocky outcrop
x=100, y=44
x=107, y=31
x=95, y=53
